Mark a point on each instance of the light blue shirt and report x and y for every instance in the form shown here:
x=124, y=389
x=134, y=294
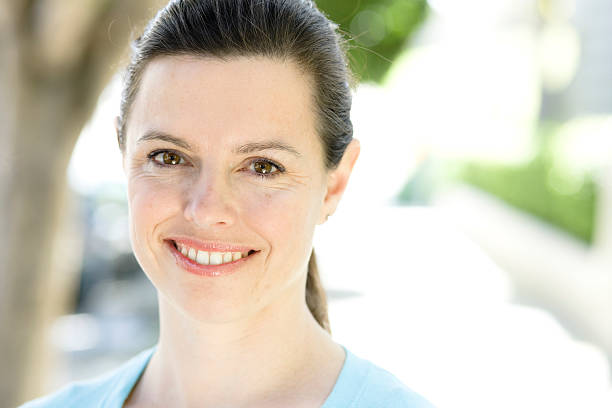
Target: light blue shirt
x=360, y=384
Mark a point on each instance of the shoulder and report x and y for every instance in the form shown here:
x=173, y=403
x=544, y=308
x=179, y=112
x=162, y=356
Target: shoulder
x=383, y=389
x=82, y=393
x=362, y=384
x=95, y=392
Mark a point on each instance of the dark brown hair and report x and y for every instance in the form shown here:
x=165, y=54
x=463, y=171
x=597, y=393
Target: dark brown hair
x=279, y=29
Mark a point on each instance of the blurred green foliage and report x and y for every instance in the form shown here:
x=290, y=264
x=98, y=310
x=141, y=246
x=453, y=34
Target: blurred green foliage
x=378, y=29
x=542, y=186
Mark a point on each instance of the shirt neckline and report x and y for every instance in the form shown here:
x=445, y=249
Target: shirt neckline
x=345, y=389
x=350, y=382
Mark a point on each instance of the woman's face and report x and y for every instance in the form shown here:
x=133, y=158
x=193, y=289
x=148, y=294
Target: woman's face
x=224, y=165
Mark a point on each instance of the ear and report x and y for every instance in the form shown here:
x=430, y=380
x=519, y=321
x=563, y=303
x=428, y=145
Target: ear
x=337, y=180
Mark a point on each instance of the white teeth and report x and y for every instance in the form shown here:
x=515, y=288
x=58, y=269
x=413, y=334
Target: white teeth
x=210, y=258
x=192, y=254
x=202, y=258
x=216, y=258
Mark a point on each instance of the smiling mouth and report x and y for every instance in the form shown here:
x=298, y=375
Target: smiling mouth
x=211, y=257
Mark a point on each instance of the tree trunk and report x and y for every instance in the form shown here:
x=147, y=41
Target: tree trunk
x=55, y=58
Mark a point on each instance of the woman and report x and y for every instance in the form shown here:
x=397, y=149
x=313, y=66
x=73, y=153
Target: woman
x=237, y=141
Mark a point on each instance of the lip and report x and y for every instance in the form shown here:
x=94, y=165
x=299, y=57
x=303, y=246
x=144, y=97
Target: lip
x=209, y=246
x=208, y=270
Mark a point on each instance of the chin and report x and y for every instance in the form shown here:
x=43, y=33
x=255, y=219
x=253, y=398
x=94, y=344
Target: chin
x=211, y=302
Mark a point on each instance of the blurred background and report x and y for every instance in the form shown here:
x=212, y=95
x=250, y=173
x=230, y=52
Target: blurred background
x=483, y=195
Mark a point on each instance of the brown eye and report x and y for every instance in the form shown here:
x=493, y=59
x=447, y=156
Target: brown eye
x=168, y=158
x=264, y=167
x=171, y=158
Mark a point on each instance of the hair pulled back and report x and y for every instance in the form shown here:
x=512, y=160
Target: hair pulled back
x=280, y=29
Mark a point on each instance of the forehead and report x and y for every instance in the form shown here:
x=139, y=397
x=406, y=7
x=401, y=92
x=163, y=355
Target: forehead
x=209, y=99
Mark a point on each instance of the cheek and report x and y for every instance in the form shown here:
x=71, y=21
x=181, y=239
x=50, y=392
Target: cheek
x=280, y=213
x=286, y=220
x=150, y=203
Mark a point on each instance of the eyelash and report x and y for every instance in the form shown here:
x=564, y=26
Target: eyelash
x=279, y=169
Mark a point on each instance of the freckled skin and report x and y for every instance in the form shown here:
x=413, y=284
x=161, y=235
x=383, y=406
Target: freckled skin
x=215, y=106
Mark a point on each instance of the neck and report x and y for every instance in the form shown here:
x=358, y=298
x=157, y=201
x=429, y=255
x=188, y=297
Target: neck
x=275, y=351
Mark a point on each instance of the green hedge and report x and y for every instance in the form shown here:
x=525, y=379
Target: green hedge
x=542, y=186
x=527, y=187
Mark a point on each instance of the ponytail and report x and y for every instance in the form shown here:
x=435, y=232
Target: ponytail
x=316, y=299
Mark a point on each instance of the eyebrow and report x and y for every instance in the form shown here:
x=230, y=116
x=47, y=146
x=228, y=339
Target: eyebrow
x=267, y=145
x=244, y=149
x=158, y=135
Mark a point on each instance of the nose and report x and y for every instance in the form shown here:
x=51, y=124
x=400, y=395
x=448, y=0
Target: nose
x=209, y=203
